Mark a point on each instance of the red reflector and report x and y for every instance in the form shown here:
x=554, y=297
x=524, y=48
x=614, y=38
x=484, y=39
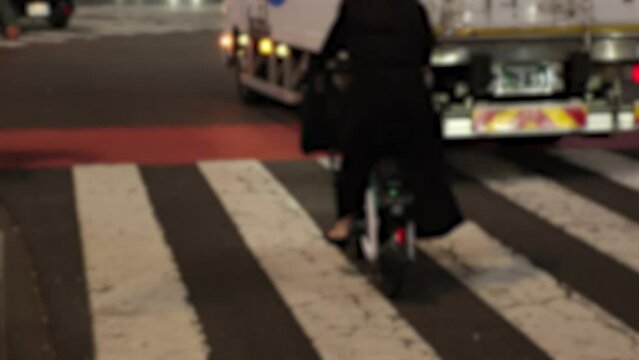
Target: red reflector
x=635, y=73
x=400, y=236
x=67, y=10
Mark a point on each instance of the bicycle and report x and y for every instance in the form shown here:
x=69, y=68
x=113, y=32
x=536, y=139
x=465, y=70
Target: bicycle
x=384, y=234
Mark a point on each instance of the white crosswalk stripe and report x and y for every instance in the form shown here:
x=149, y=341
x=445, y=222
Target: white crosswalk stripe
x=139, y=303
x=563, y=323
x=602, y=229
x=141, y=309
x=618, y=168
x=342, y=314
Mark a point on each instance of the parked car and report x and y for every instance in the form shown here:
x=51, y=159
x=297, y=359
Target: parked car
x=56, y=12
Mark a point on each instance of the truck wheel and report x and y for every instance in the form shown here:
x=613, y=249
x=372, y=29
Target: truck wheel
x=480, y=75
x=579, y=68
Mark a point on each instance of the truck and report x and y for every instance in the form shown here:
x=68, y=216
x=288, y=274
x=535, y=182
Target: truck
x=501, y=68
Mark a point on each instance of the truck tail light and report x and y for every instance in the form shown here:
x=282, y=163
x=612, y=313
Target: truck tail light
x=635, y=73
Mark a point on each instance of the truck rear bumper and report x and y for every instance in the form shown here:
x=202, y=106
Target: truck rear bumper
x=274, y=91
x=541, y=119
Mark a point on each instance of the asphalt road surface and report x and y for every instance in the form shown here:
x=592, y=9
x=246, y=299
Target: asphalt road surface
x=150, y=215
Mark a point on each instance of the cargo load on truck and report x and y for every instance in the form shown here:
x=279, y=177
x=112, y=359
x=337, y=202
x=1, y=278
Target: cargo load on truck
x=502, y=67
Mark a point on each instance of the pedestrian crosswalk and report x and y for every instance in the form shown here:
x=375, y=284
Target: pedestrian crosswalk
x=608, y=232
x=344, y=317
x=225, y=259
x=531, y=299
x=617, y=168
x=139, y=305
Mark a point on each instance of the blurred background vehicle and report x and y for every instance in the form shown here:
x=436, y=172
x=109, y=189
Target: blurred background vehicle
x=543, y=68
x=56, y=12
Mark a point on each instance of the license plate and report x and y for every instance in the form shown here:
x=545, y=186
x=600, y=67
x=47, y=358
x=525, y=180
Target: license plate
x=529, y=119
x=524, y=79
x=38, y=9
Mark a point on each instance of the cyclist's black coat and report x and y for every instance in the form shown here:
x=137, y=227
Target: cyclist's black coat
x=389, y=108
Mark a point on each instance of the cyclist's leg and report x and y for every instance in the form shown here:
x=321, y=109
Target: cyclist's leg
x=351, y=184
x=359, y=157
x=353, y=180
x=359, y=140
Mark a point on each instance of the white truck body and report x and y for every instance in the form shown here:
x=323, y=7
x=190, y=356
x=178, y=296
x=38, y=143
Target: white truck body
x=480, y=14
x=306, y=23
x=543, y=32
x=302, y=24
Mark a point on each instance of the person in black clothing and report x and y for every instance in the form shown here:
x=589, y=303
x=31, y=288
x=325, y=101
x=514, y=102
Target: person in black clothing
x=389, y=111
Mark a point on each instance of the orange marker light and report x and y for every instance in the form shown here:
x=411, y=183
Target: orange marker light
x=266, y=47
x=282, y=51
x=244, y=40
x=226, y=41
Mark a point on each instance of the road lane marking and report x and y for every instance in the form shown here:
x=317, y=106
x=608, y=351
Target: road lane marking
x=604, y=230
x=342, y=314
x=139, y=304
x=561, y=322
x=478, y=331
x=229, y=290
x=616, y=168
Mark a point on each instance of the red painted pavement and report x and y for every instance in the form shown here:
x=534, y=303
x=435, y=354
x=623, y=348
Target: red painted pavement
x=146, y=145
x=45, y=148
